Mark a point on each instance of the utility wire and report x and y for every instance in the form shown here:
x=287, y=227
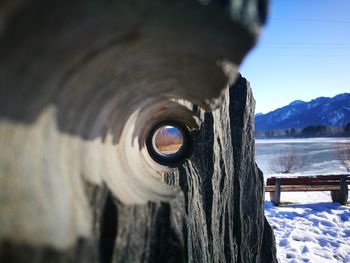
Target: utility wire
x=306, y=44
x=313, y=20
x=303, y=47
x=347, y=56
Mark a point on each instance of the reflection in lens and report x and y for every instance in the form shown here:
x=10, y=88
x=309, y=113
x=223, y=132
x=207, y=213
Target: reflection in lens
x=168, y=140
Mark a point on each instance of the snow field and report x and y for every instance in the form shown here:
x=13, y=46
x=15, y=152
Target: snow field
x=311, y=229
x=313, y=232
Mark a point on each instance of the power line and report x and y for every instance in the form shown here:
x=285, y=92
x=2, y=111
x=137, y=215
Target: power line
x=306, y=44
x=304, y=47
x=313, y=20
x=345, y=56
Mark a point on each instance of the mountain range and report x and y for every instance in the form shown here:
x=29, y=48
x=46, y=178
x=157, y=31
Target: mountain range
x=299, y=114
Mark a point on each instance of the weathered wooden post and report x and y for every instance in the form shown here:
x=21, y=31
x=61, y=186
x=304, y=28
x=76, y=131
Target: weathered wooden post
x=275, y=196
x=341, y=196
x=83, y=84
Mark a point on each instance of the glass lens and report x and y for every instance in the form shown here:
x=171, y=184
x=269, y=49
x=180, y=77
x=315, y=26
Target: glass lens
x=168, y=140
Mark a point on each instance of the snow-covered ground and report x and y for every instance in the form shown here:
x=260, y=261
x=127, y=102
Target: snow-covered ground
x=311, y=229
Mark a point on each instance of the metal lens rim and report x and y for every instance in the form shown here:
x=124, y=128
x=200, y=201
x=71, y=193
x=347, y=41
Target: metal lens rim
x=173, y=159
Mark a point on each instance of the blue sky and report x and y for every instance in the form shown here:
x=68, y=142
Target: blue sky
x=303, y=53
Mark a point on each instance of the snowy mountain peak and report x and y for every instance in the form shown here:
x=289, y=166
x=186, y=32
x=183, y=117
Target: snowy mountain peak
x=296, y=102
x=343, y=96
x=299, y=114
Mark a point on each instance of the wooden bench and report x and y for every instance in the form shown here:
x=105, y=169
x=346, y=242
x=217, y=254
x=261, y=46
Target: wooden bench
x=337, y=184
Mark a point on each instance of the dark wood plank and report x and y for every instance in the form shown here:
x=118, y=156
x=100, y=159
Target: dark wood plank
x=296, y=188
x=302, y=188
x=308, y=180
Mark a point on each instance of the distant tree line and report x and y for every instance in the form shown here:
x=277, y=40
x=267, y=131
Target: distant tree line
x=307, y=132
x=314, y=131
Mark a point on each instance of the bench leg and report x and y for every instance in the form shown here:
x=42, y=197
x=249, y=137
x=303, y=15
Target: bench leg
x=275, y=196
x=341, y=196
